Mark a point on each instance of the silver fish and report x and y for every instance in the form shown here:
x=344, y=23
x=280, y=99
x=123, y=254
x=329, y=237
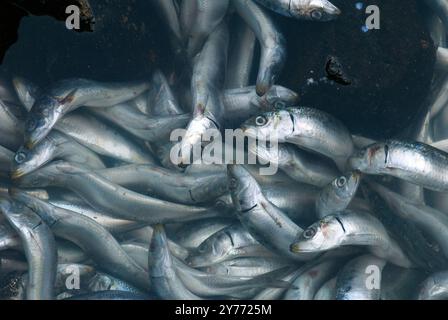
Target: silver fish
x=11, y=130
x=169, y=185
x=39, y=246
x=209, y=14
x=229, y=243
x=208, y=78
x=55, y=145
x=27, y=91
x=266, y=223
x=117, y=201
x=9, y=239
x=308, y=128
x=96, y=241
x=338, y=194
x=241, y=57
x=300, y=165
x=67, y=95
x=434, y=287
x=273, y=51
x=349, y=228
x=315, y=10
x=414, y=162
x=162, y=271
x=105, y=282
x=103, y=139
x=353, y=278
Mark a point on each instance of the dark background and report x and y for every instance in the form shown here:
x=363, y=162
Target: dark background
x=390, y=69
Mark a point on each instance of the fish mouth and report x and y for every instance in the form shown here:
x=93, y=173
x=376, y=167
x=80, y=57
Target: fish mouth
x=17, y=174
x=332, y=10
x=297, y=247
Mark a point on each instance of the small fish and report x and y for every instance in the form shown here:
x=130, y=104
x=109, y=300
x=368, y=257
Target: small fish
x=435, y=287
x=67, y=95
x=273, y=46
x=414, y=162
x=349, y=228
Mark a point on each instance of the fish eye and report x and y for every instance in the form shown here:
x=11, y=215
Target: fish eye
x=341, y=181
x=309, y=233
x=20, y=157
x=261, y=121
x=316, y=14
x=280, y=105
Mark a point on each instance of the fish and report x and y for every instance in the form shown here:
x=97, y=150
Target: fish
x=265, y=222
x=9, y=239
x=27, y=91
x=162, y=270
x=307, y=128
x=147, y=128
x=54, y=146
x=91, y=237
x=300, y=165
x=6, y=159
x=414, y=162
x=39, y=246
x=229, y=243
x=209, y=14
x=435, y=287
x=67, y=95
x=207, y=80
x=105, y=282
x=352, y=280
x=166, y=184
x=314, y=10
x=272, y=42
x=103, y=139
x=338, y=194
x=117, y=201
x=241, y=56
x=192, y=234
x=350, y=228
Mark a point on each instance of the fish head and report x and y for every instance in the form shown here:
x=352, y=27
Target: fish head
x=372, y=159
x=211, y=251
x=41, y=119
x=279, y=97
x=46, y=176
x=26, y=160
x=315, y=10
x=160, y=262
x=274, y=125
x=243, y=187
x=321, y=236
x=346, y=185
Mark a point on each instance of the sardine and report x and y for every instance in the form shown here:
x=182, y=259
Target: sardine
x=55, y=145
x=308, y=128
x=273, y=51
x=40, y=249
x=265, y=222
x=349, y=228
x=414, y=162
x=162, y=271
x=108, y=197
x=300, y=165
x=67, y=95
x=169, y=185
x=232, y=242
x=96, y=241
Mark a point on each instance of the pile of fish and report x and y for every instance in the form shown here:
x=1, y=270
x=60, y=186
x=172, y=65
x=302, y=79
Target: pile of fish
x=93, y=207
